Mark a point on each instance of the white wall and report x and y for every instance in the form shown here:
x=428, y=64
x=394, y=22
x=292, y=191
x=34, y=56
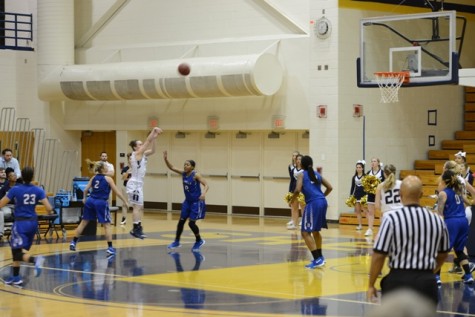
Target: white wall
x=324, y=90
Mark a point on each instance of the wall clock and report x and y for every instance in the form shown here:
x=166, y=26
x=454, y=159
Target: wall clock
x=323, y=28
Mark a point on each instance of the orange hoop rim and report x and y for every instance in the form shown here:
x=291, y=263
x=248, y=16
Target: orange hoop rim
x=404, y=75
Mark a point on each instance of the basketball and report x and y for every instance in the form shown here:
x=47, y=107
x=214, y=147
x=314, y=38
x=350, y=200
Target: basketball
x=184, y=69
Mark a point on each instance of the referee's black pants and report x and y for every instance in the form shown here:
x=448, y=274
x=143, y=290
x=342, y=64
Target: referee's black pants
x=423, y=282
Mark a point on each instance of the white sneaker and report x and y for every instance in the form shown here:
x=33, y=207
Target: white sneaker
x=369, y=232
x=291, y=227
x=290, y=223
x=359, y=228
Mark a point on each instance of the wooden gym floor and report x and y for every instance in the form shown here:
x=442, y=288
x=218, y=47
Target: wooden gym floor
x=249, y=266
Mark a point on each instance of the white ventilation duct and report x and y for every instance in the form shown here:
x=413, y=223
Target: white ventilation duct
x=230, y=76
x=226, y=76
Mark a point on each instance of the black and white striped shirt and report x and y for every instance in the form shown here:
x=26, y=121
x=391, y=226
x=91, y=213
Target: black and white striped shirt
x=412, y=237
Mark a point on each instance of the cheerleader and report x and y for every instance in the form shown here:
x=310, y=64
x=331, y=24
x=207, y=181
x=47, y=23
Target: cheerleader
x=467, y=173
x=294, y=207
x=357, y=191
x=377, y=172
x=461, y=158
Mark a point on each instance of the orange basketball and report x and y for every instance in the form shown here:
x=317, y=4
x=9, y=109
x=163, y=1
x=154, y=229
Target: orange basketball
x=184, y=69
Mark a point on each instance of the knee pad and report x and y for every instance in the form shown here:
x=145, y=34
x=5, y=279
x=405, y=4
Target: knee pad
x=17, y=254
x=461, y=256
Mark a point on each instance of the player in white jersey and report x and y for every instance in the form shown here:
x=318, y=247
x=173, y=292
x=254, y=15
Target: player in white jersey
x=387, y=192
x=138, y=167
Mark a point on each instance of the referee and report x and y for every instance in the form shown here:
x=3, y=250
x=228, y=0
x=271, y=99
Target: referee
x=417, y=243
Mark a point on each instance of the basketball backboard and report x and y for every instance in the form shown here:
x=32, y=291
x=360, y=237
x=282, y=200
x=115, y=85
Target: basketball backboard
x=423, y=44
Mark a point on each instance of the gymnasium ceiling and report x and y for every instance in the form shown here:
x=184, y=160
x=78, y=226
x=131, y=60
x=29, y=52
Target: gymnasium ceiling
x=432, y=5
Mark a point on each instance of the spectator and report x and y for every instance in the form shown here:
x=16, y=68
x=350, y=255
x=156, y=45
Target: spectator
x=110, y=171
x=11, y=181
x=6, y=212
x=8, y=160
x=110, y=166
x=3, y=177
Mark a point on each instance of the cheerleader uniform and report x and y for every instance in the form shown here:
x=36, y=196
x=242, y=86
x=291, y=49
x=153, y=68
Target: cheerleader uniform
x=293, y=180
x=297, y=172
x=469, y=176
x=380, y=175
x=357, y=189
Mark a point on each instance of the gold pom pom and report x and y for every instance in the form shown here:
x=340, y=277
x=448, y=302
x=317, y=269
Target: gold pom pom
x=470, y=200
x=364, y=201
x=350, y=201
x=370, y=183
x=288, y=197
x=300, y=198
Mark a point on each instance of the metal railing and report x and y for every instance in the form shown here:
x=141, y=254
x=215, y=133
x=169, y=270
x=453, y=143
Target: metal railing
x=16, y=31
x=54, y=165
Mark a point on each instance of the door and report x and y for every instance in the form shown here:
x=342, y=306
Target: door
x=92, y=145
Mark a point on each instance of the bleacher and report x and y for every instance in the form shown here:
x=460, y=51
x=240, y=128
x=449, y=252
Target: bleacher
x=429, y=170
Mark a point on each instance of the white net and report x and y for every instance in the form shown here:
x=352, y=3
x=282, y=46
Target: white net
x=389, y=84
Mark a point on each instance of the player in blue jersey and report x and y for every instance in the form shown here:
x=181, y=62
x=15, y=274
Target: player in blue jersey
x=314, y=216
x=96, y=206
x=450, y=205
x=193, y=208
x=26, y=196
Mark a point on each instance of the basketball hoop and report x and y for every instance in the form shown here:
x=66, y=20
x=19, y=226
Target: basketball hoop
x=389, y=84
